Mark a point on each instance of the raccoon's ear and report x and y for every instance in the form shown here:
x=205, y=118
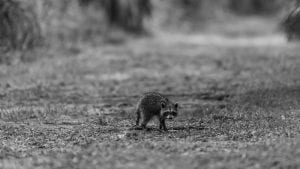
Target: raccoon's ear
x=163, y=104
x=176, y=105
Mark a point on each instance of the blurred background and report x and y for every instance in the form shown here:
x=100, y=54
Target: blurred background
x=27, y=24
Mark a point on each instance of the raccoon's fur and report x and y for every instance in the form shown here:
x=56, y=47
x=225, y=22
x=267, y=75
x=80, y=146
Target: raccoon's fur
x=155, y=104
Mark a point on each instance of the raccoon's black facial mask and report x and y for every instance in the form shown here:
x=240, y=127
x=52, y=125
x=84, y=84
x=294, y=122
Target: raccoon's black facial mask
x=169, y=111
x=170, y=115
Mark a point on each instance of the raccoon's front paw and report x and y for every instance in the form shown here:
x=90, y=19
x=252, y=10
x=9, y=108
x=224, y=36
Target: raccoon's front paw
x=136, y=127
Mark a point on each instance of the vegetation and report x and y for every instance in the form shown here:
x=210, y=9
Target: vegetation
x=19, y=28
x=126, y=14
x=256, y=7
x=24, y=23
x=291, y=24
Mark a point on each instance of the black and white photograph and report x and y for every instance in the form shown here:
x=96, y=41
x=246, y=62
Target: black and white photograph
x=149, y=84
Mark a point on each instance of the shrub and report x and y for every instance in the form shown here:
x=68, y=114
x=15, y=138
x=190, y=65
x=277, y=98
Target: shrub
x=189, y=15
x=126, y=14
x=255, y=6
x=291, y=24
x=19, y=29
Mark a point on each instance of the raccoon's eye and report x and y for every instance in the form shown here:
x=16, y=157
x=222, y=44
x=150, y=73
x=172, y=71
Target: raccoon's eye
x=166, y=113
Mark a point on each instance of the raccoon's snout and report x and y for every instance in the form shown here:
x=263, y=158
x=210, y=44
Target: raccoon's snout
x=170, y=117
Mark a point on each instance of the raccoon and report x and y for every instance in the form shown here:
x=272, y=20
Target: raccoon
x=155, y=104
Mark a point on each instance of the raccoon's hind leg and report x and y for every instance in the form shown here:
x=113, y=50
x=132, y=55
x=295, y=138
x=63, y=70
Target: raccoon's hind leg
x=137, y=122
x=145, y=119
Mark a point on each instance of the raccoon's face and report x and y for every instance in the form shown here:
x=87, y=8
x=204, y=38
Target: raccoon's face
x=169, y=111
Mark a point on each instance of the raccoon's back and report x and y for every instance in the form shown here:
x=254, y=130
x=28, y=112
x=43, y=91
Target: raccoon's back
x=151, y=102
